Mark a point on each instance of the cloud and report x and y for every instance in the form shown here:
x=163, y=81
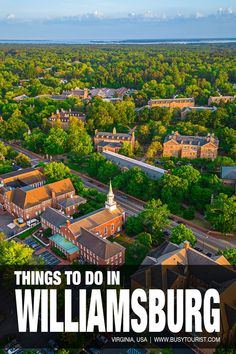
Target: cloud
x=133, y=26
x=10, y=17
x=225, y=11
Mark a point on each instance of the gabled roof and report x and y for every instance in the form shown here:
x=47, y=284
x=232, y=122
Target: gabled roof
x=110, y=135
x=192, y=140
x=94, y=219
x=228, y=172
x=30, y=171
x=28, y=198
x=98, y=245
x=54, y=217
x=109, y=144
x=76, y=200
x=169, y=100
x=168, y=251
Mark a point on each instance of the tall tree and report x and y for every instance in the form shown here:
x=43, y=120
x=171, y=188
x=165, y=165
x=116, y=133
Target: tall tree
x=14, y=253
x=222, y=213
x=79, y=142
x=56, y=171
x=56, y=142
x=181, y=233
x=155, y=218
x=23, y=160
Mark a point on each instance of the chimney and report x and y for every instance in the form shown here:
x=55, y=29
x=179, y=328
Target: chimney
x=186, y=245
x=54, y=201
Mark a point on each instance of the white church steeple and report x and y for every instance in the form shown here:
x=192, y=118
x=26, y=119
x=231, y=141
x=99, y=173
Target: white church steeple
x=110, y=202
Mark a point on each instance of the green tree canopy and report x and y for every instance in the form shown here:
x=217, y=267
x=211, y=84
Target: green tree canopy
x=14, y=253
x=155, y=218
x=230, y=255
x=222, y=213
x=56, y=171
x=56, y=142
x=181, y=233
x=79, y=142
x=23, y=160
x=188, y=173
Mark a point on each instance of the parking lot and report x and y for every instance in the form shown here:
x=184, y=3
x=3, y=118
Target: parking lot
x=32, y=243
x=49, y=258
x=7, y=226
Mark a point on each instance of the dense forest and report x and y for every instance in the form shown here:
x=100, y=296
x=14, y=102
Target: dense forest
x=161, y=71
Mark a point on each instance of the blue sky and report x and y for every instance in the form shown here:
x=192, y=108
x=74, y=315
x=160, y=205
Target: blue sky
x=57, y=8
x=110, y=19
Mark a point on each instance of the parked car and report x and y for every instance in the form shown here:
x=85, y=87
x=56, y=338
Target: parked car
x=32, y=222
x=20, y=221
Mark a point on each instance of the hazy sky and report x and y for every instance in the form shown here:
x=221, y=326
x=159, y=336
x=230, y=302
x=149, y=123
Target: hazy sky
x=75, y=19
x=58, y=8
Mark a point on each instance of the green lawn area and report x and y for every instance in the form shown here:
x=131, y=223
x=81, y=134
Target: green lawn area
x=80, y=167
x=201, y=222
x=58, y=252
x=123, y=240
x=127, y=242
x=28, y=233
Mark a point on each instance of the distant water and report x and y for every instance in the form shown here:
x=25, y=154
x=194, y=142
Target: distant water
x=125, y=41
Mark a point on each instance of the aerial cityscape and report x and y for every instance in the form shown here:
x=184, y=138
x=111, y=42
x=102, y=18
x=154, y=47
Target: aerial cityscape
x=119, y=154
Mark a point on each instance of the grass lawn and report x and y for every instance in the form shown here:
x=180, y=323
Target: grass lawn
x=127, y=242
x=80, y=167
x=201, y=222
x=58, y=252
x=28, y=233
x=123, y=240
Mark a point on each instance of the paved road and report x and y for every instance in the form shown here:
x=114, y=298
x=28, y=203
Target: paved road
x=205, y=242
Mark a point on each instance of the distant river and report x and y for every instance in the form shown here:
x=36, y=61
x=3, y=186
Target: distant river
x=125, y=41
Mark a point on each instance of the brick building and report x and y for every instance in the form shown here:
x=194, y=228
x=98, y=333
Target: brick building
x=77, y=92
x=190, y=146
x=64, y=117
x=21, y=178
x=187, y=110
x=97, y=250
x=170, y=254
x=125, y=163
x=172, y=103
x=28, y=177
x=172, y=266
x=28, y=202
x=70, y=250
x=112, y=141
x=90, y=232
x=109, y=93
x=228, y=176
x=219, y=99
